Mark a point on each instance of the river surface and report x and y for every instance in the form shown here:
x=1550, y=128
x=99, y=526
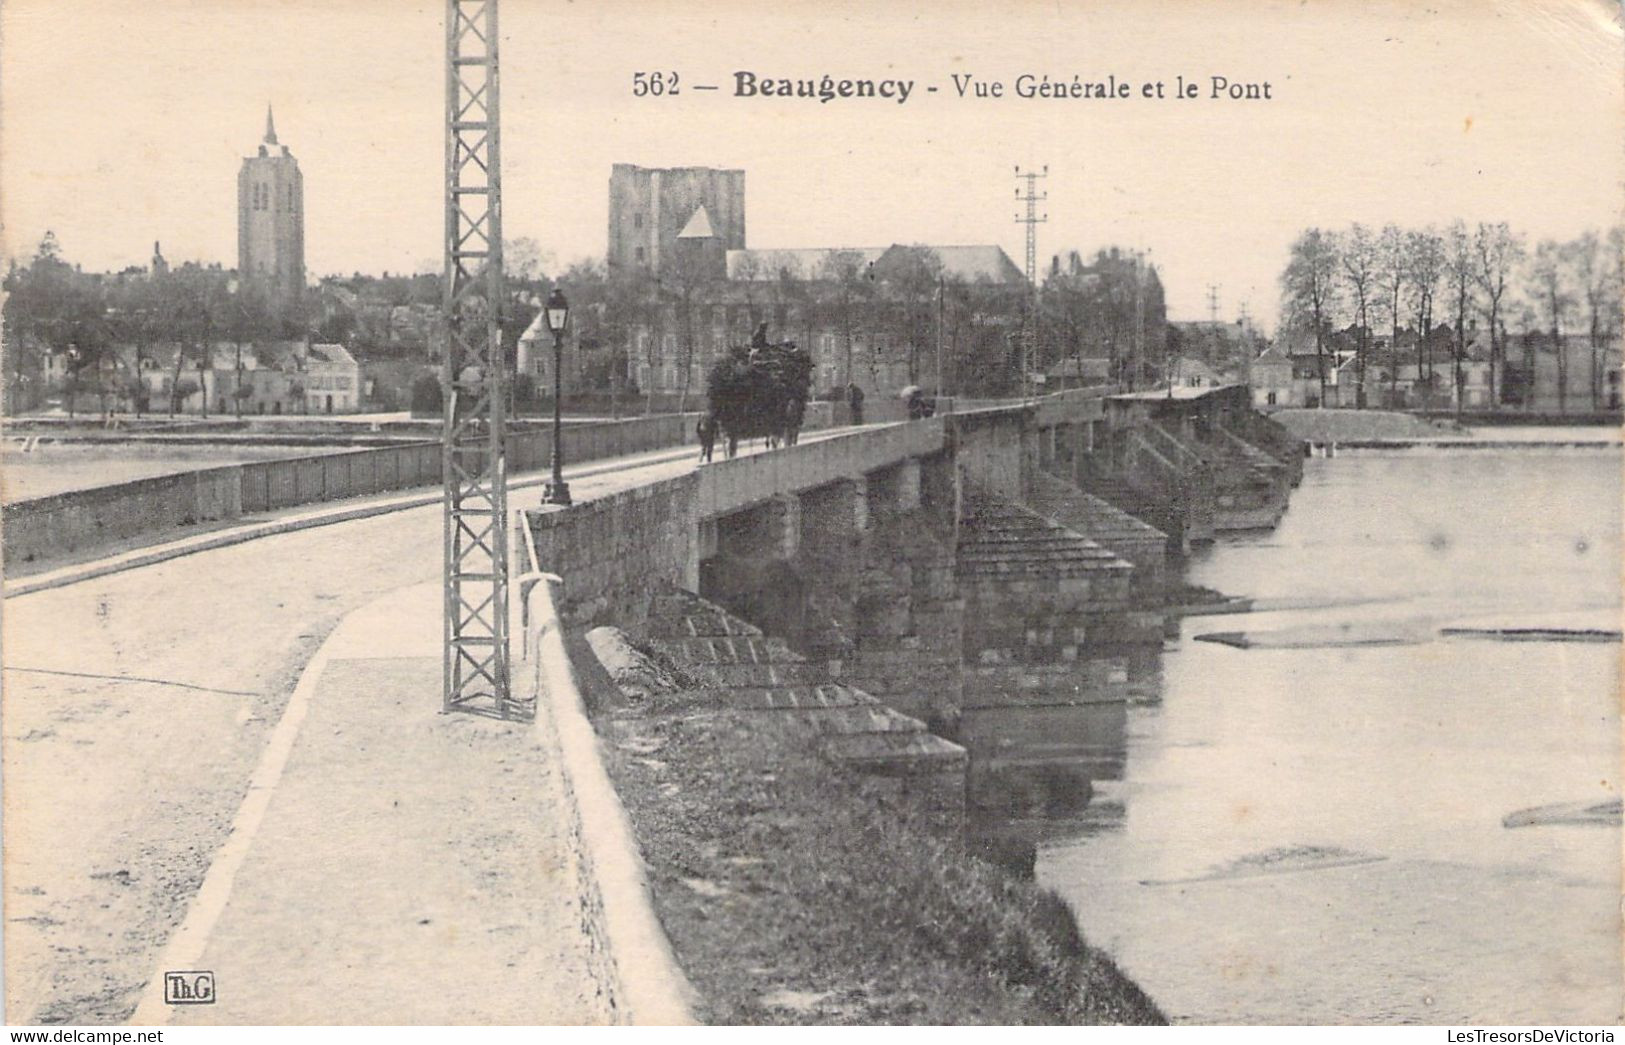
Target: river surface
x=1313, y=832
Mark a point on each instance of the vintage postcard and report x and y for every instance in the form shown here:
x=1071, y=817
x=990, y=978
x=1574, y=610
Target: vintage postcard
x=529, y=512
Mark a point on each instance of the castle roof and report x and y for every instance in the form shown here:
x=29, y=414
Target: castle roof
x=698, y=227
x=971, y=263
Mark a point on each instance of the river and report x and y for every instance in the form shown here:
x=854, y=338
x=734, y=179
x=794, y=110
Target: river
x=1314, y=833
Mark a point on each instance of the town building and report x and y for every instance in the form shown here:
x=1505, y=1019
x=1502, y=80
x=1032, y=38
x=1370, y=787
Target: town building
x=271, y=221
x=1273, y=381
x=274, y=377
x=1576, y=376
x=865, y=315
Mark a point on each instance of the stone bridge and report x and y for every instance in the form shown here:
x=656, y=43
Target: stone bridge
x=1009, y=556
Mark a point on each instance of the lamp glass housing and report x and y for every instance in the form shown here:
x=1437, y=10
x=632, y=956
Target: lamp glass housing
x=558, y=313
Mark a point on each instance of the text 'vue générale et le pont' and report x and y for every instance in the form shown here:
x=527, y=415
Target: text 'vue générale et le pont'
x=826, y=88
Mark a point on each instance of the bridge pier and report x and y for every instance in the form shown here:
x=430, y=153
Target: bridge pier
x=834, y=520
x=981, y=571
x=907, y=627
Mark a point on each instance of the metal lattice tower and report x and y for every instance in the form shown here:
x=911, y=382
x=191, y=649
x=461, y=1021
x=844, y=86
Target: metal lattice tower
x=473, y=453
x=1032, y=220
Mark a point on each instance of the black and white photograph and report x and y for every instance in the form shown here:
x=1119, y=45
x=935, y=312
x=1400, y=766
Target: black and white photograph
x=546, y=513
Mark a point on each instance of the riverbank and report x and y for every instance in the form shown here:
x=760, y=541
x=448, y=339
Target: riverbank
x=1342, y=426
x=796, y=893
x=1368, y=429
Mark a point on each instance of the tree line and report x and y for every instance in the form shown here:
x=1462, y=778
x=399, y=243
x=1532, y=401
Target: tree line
x=895, y=316
x=894, y=321
x=82, y=319
x=1435, y=282
x=89, y=323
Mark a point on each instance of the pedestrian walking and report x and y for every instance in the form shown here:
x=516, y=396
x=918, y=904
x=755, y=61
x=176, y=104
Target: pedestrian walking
x=707, y=432
x=794, y=410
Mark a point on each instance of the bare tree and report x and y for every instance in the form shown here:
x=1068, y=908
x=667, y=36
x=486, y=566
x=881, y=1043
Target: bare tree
x=1425, y=261
x=1460, y=266
x=1614, y=301
x=1551, y=275
x=1357, y=255
x=909, y=293
x=1499, y=251
x=1309, y=289
x=844, y=270
x=689, y=277
x=52, y=310
x=523, y=260
x=1392, y=278
x=1596, y=269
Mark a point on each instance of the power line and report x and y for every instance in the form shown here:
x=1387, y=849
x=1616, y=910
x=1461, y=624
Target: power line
x=1032, y=220
x=1139, y=321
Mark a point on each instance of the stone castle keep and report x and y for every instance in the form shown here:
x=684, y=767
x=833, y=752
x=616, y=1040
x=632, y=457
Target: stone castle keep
x=907, y=585
x=649, y=209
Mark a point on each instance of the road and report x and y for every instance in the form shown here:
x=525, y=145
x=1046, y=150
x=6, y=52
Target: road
x=136, y=707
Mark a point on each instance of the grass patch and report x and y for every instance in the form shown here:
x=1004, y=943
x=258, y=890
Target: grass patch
x=795, y=892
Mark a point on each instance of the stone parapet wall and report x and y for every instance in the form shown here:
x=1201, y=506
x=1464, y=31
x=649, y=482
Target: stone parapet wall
x=990, y=451
x=102, y=517
x=616, y=552
x=634, y=966
x=50, y=527
x=729, y=486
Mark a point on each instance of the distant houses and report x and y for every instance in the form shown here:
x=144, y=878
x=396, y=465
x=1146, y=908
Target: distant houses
x=1530, y=374
x=277, y=377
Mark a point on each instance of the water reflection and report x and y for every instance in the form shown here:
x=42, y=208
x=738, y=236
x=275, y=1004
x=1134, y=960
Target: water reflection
x=1042, y=762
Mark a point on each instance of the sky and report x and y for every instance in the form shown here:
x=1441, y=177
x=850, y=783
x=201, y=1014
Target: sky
x=121, y=124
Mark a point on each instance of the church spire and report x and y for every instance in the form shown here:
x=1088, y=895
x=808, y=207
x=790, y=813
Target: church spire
x=270, y=126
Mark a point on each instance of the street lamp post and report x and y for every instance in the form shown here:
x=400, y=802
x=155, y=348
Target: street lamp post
x=557, y=310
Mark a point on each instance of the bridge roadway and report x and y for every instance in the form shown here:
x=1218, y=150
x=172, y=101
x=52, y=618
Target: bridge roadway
x=137, y=706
